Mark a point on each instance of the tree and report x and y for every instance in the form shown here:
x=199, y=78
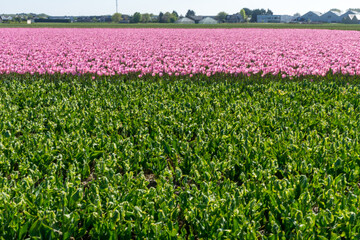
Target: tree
x=190, y=13
x=116, y=17
x=17, y=19
x=269, y=12
x=248, y=12
x=243, y=15
x=173, y=17
x=255, y=13
x=152, y=18
x=354, y=9
x=145, y=18
x=221, y=16
x=42, y=16
x=136, y=17
x=160, y=17
x=175, y=14
x=165, y=18
x=335, y=10
x=168, y=18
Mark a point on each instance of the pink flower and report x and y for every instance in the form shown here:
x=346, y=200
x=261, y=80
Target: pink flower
x=289, y=52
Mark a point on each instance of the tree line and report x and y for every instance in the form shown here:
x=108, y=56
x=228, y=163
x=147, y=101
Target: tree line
x=247, y=14
x=147, y=17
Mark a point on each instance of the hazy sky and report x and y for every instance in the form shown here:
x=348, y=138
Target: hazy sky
x=201, y=7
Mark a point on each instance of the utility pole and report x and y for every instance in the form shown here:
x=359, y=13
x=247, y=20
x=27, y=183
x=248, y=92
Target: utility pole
x=116, y=6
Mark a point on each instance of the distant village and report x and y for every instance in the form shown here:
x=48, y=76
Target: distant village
x=351, y=16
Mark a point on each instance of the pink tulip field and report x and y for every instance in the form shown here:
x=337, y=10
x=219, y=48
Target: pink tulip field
x=289, y=52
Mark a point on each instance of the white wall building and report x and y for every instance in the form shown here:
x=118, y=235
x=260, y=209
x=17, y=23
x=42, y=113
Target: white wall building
x=274, y=18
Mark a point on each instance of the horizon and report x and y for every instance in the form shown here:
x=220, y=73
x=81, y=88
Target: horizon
x=201, y=7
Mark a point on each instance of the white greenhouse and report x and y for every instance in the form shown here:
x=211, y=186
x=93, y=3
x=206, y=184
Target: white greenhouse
x=331, y=17
x=312, y=16
x=351, y=19
x=208, y=20
x=185, y=21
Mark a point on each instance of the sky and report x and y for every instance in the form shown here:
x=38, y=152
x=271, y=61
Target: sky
x=201, y=7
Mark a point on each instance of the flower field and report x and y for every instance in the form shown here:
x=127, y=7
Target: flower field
x=179, y=134
x=290, y=52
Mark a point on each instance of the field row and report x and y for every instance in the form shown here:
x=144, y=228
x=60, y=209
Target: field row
x=332, y=26
x=174, y=159
x=286, y=52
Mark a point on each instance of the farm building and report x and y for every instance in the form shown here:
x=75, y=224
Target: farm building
x=208, y=20
x=6, y=19
x=41, y=20
x=185, y=20
x=331, y=17
x=196, y=19
x=351, y=19
x=311, y=16
x=61, y=18
x=349, y=12
x=274, y=18
x=235, y=18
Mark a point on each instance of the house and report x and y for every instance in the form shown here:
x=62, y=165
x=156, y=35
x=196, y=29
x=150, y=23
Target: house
x=83, y=19
x=208, y=20
x=331, y=17
x=275, y=18
x=106, y=18
x=351, y=19
x=185, y=20
x=311, y=16
x=124, y=21
x=234, y=18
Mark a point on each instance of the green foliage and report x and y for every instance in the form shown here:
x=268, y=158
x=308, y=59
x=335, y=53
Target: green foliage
x=354, y=9
x=190, y=13
x=136, y=17
x=335, y=10
x=168, y=17
x=257, y=12
x=116, y=17
x=243, y=15
x=145, y=18
x=223, y=157
x=221, y=16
